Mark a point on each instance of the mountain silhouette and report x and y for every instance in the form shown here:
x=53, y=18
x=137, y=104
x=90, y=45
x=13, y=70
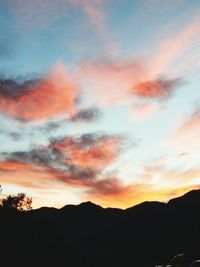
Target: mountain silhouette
x=87, y=235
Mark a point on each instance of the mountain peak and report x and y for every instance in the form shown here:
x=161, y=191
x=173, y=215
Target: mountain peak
x=190, y=197
x=89, y=204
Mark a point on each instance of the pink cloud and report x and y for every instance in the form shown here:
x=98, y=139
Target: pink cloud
x=122, y=82
x=172, y=50
x=97, y=155
x=97, y=18
x=153, y=89
x=185, y=138
x=54, y=95
x=109, y=81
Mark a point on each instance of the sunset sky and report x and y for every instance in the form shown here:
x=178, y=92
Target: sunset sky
x=99, y=100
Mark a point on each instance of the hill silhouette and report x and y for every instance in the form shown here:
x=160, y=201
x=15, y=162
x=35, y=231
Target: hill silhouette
x=88, y=235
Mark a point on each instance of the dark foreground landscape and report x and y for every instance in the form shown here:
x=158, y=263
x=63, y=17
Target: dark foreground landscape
x=87, y=235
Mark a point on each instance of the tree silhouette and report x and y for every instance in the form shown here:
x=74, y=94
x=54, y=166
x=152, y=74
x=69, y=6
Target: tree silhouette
x=18, y=202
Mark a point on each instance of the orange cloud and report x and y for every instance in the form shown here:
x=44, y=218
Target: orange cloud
x=24, y=174
x=156, y=88
x=95, y=154
x=54, y=95
x=78, y=161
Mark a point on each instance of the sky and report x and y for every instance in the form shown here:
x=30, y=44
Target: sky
x=99, y=100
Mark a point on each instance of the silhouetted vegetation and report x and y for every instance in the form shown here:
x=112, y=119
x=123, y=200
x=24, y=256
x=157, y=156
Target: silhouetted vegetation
x=19, y=202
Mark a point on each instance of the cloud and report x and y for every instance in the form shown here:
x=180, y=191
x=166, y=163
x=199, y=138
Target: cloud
x=115, y=80
x=185, y=138
x=111, y=80
x=144, y=80
x=173, y=52
x=161, y=176
x=86, y=151
x=19, y=135
x=36, y=177
x=76, y=160
x=54, y=95
x=80, y=162
x=26, y=175
x=90, y=150
x=86, y=115
x=124, y=82
x=97, y=18
x=83, y=162
x=156, y=89
x=108, y=192
x=11, y=89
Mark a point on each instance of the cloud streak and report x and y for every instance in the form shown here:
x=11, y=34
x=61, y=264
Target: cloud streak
x=172, y=51
x=185, y=138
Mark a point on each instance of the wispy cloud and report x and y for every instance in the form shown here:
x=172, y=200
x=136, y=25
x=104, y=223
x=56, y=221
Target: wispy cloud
x=111, y=79
x=185, y=138
x=95, y=13
x=173, y=51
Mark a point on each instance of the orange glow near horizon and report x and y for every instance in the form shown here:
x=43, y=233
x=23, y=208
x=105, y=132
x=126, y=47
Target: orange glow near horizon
x=108, y=193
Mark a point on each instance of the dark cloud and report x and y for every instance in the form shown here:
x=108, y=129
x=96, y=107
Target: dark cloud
x=86, y=115
x=10, y=88
x=41, y=156
x=15, y=136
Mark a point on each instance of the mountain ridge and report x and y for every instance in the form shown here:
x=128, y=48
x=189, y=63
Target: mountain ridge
x=87, y=235
x=92, y=204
